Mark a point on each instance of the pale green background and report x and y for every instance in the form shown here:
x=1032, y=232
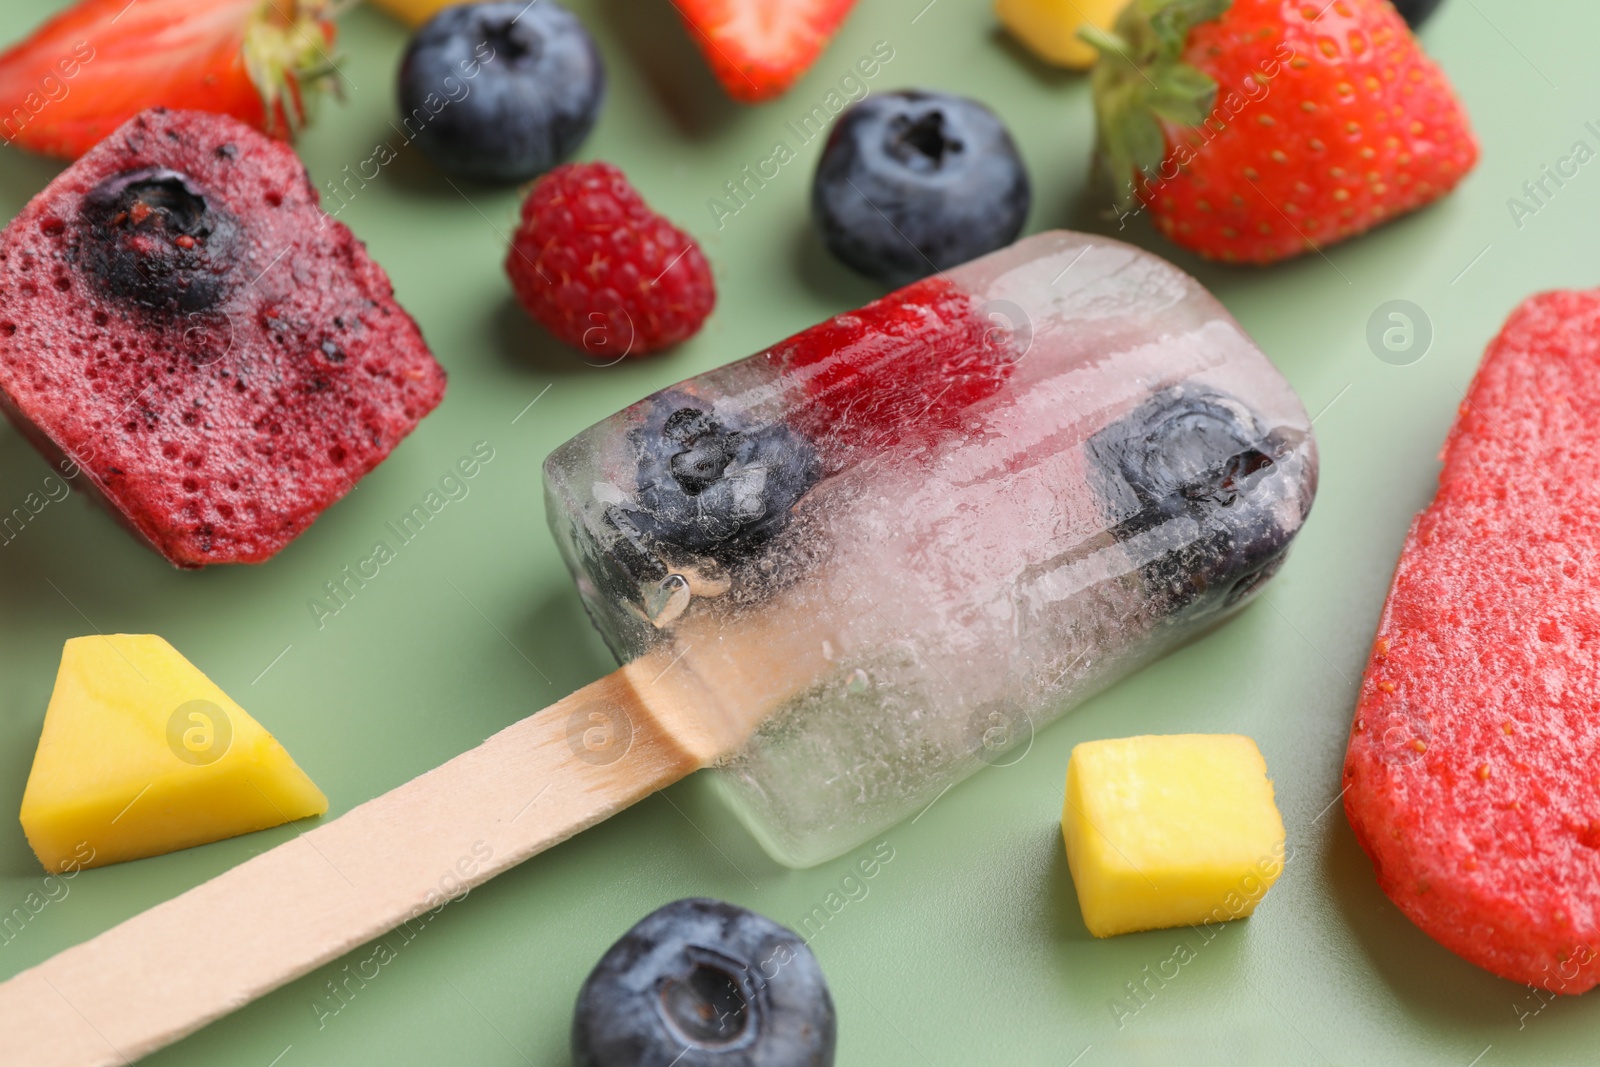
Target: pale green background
x=968, y=947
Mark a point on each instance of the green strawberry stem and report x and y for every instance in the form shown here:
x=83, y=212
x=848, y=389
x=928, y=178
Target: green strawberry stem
x=1141, y=81
x=286, y=56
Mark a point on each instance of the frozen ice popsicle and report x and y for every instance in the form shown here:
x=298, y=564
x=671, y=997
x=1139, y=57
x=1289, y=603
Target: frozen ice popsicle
x=910, y=535
x=847, y=571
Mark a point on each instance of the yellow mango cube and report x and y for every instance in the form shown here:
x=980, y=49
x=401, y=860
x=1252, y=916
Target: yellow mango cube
x=1170, y=831
x=1049, y=28
x=142, y=754
x=414, y=12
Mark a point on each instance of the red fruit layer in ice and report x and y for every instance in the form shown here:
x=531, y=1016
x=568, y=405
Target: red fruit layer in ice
x=1473, y=772
x=907, y=365
x=181, y=320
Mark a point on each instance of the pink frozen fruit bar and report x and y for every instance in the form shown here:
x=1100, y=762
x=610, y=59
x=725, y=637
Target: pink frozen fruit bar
x=223, y=361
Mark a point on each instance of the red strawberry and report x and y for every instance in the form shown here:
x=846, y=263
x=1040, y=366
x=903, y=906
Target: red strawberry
x=1260, y=129
x=96, y=65
x=758, y=48
x=601, y=271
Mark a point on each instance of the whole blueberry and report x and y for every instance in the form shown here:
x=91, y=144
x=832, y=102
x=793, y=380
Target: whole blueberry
x=1198, y=479
x=914, y=182
x=1416, y=12
x=500, y=92
x=701, y=983
x=708, y=487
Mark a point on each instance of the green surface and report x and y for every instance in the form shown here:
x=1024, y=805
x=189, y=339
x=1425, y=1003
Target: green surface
x=967, y=947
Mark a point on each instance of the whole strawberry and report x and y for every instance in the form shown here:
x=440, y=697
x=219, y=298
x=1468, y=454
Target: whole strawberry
x=601, y=271
x=100, y=62
x=1256, y=130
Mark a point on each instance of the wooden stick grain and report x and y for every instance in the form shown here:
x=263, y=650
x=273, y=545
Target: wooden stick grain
x=167, y=972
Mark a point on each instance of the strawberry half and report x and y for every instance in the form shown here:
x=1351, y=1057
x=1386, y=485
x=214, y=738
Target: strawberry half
x=1256, y=130
x=96, y=65
x=758, y=48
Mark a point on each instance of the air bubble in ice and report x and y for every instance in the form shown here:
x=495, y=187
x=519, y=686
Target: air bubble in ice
x=668, y=600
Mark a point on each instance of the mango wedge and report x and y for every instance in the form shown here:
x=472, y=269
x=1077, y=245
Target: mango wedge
x=1170, y=831
x=142, y=754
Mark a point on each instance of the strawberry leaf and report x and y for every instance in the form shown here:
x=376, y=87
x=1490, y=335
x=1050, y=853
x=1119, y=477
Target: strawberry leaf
x=1184, y=96
x=1145, y=143
x=285, y=52
x=1142, y=82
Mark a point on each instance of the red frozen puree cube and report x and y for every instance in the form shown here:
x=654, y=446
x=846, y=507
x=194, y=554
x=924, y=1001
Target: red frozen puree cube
x=221, y=359
x=1473, y=770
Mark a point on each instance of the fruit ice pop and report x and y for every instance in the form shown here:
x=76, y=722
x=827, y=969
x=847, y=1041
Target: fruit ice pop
x=891, y=546
x=847, y=571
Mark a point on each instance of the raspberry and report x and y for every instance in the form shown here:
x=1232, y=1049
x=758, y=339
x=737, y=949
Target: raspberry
x=910, y=362
x=600, y=270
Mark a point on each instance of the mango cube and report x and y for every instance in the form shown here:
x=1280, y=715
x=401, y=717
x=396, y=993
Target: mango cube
x=1170, y=831
x=142, y=754
x=1049, y=28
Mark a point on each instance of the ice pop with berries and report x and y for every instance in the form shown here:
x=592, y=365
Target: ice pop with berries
x=894, y=544
x=847, y=571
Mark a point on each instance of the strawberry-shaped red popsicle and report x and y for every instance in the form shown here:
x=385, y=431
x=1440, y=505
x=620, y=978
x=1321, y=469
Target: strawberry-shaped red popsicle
x=1473, y=773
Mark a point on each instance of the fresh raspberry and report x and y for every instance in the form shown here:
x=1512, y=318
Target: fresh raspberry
x=603, y=272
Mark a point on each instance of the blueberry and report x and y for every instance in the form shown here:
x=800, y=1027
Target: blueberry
x=627, y=561
x=1199, y=480
x=501, y=92
x=154, y=238
x=707, y=449
x=701, y=983
x=1416, y=12
x=914, y=182
x=710, y=488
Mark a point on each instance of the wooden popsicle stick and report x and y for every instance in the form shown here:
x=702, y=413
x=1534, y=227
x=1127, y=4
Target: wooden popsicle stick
x=169, y=971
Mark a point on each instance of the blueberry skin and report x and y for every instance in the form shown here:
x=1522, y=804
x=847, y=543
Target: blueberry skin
x=709, y=488
x=1191, y=453
x=501, y=92
x=626, y=561
x=1416, y=12
x=701, y=983
x=133, y=222
x=915, y=182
